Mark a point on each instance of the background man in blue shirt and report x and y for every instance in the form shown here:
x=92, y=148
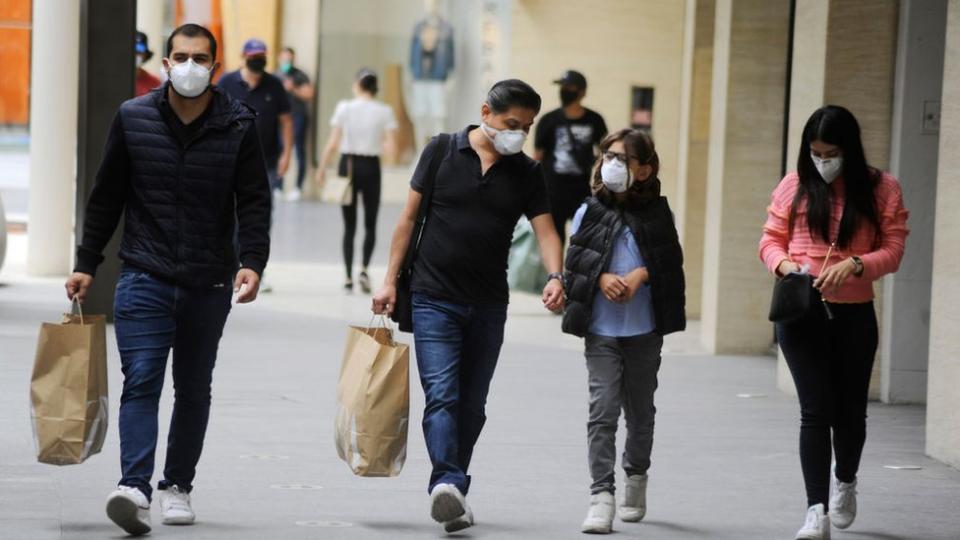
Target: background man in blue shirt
x=264, y=92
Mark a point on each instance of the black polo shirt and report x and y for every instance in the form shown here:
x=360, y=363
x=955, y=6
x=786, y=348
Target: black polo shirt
x=466, y=240
x=270, y=100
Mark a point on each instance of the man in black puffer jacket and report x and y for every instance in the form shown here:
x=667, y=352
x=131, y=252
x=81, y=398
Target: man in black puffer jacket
x=185, y=166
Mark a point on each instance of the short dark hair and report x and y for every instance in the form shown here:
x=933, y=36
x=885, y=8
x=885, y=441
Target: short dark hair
x=367, y=80
x=191, y=30
x=290, y=50
x=513, y=93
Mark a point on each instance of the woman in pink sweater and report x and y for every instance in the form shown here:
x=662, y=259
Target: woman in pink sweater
x=845, y=222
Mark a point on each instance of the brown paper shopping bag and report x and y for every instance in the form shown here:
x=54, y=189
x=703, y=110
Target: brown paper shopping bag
x=373, y=402
x=68, y=389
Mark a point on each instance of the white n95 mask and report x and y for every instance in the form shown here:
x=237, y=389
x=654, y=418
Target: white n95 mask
x=829, y=168
x=506, y=142
x=615, y=175
x=189, y=79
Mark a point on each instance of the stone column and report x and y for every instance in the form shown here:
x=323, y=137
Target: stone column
x=694, y=138
x=53, y=136
x=832, y=65
x=746, y=127
x=914, y=152
x=943, y=400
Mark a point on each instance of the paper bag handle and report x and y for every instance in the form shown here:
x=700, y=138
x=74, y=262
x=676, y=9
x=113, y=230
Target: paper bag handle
x=385, y=324
x=75, y=303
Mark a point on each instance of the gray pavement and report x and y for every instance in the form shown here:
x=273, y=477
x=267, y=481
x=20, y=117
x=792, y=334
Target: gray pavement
x=725, y=466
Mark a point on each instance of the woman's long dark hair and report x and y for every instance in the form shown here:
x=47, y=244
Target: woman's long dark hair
x=637, y=145
x=836, y=125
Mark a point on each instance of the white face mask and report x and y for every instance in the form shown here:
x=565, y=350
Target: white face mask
x=615, y=175
x=189, y=79
x=829, y=168
x=506, y=142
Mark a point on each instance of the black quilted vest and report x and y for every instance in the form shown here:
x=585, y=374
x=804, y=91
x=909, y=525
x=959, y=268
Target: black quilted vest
x=589, y=255
x=180, y=217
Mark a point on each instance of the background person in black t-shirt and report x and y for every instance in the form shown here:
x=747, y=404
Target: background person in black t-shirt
x=301, y=92
x=565, y=143
x=482, y=187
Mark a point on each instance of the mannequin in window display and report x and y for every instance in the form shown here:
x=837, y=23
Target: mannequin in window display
x=431, y=65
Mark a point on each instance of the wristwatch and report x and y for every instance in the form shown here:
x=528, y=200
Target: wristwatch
x=555, y=275
x=858, y=264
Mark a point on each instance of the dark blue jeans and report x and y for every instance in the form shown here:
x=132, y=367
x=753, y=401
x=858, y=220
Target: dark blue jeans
x=151, y=318
x=457, y=349
x=300, y=124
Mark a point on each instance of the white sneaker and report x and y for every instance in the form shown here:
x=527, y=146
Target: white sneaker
x=129, y=508
x=600, y=516
x=447, y=503
x=294, y=195
x=460, y=523
x=817, y=525
x=634, y=505
x=175, y=507
x=843, y=504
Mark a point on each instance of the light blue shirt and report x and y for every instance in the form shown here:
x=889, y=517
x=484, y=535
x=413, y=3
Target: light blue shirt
x=611, y=319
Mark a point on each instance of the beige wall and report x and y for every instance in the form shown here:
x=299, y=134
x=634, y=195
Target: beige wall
x=943, y=399
x=245, y=19
x=616, y=44
x=151, y=20
x=746, y=125
x=352, y=39
x=694, y=143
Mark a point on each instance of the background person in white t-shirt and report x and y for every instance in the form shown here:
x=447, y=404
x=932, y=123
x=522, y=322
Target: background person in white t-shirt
x=362, y=129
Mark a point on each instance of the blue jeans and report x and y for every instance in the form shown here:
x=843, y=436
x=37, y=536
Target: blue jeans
x=457, y=349
x=151, y=317
x=300, y=124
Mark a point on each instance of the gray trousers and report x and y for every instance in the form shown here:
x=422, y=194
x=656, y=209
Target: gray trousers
x=622, y=374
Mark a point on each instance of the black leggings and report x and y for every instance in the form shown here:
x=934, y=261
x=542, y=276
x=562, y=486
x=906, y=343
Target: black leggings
x=366, y=184
x=831, y=362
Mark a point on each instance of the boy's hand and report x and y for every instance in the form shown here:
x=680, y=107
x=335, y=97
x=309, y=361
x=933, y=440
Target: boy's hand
x=613, y=287
x=636, y=279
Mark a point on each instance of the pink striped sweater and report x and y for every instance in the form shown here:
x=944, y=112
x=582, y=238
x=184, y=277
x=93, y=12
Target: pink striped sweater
x=881, y=254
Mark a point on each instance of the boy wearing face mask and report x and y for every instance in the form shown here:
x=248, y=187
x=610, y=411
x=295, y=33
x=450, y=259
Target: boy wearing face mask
x=565, y=143
x=625, y=291
x=264, y=92
x=183, y=165
x=483, y=184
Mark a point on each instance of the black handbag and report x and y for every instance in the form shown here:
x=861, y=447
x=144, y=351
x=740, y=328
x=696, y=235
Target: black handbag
x=402, y=313
x=791, y=297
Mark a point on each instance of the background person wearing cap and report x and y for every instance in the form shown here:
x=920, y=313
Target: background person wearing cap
x=144, y=81
x=266, y=94
x=565, y=143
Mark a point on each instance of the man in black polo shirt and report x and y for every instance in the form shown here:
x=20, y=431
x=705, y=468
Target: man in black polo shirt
x=183, y=165
x=264, y=92
x=483, y=185
x=565, y=142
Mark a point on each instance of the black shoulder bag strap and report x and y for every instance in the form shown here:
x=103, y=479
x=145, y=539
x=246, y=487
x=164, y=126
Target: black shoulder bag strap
x=403, y=310
x=428, y=185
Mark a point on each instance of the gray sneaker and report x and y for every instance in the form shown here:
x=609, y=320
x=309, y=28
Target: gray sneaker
x=460, y=523
x=447, y=503
x=129, y=508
